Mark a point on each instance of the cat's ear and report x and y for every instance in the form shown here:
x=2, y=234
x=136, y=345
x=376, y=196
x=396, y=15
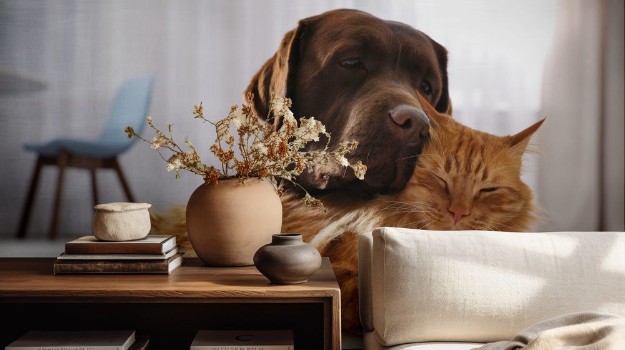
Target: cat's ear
x=431, y=112
x=519, y=141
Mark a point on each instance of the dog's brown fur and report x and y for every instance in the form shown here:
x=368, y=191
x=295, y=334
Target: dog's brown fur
x=351, y=70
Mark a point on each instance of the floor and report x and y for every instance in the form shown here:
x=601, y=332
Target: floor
x=350, y=342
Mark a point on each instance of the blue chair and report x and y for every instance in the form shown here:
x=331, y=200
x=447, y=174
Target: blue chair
x=129, y=108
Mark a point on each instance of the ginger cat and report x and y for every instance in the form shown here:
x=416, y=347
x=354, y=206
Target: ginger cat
x=464, y=180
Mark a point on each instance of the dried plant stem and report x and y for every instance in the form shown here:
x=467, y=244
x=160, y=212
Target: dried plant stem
x=264, y=151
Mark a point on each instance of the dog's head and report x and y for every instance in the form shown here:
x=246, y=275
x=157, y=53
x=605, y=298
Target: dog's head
x=360, y=76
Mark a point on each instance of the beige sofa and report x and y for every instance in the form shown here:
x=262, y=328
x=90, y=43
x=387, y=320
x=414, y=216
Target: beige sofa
x=460, y=289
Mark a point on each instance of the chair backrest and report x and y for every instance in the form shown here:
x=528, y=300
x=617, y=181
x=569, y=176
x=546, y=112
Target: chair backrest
x=130, y=107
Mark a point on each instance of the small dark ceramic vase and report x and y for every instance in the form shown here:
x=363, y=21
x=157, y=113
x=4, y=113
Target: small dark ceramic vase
x=287, y=259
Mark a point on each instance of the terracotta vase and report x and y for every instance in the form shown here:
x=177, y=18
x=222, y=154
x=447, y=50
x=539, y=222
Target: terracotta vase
x=287, y=259
x=227, y=222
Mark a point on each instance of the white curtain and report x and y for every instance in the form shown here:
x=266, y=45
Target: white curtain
x=580, y=184
x=81, y=50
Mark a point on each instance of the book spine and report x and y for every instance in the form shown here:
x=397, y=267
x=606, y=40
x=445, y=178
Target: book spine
x=115, y=266
x=62, y=347
x=241, y=347
x=111, y=266
x=125, y=256
x=141, y=343
x=103, y=248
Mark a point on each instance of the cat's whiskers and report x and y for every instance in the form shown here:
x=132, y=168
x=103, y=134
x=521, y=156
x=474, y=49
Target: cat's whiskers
x=434, y=137
x=408, y=213
x=397, y=205
x=410, y=207
x=424, y=225
x=391, y=207
x=506, y=222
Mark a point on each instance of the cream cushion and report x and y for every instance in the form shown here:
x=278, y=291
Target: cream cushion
x=483, y=286
x=370, y=343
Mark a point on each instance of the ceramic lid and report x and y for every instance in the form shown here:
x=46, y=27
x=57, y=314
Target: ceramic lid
x=122, y=206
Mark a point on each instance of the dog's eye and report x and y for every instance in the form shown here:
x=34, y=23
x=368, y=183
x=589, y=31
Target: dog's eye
x=425, y=87
x=352, y=63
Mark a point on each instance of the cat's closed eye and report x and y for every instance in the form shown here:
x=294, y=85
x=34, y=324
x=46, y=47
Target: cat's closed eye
x=442, y=182
x=489, y=189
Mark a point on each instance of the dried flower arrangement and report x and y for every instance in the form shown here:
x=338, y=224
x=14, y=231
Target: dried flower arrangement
x=262, y=151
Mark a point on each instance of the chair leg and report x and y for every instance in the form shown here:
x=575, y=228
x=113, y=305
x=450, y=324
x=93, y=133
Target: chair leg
x=123, y=181
x=94, y=187
x=62, y=161
x=30, y=197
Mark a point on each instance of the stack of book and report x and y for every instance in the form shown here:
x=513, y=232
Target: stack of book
x=80, y=340
x=243, y=340
x=152, y=254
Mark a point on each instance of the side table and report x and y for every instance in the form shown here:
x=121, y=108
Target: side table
x=170, y=309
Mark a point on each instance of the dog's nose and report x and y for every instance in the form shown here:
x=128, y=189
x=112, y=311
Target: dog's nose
x=411, y=122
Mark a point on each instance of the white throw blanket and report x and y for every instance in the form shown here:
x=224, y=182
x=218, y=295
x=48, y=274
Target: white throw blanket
x=579, y=331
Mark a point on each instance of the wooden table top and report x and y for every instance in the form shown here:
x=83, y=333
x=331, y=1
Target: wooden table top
x=28, y=278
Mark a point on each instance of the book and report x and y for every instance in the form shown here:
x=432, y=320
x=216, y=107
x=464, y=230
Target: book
x=166, y=266
x=151, y=244
x=74, y=340
x=120, y=256
x=243, y=340
x=141, y=343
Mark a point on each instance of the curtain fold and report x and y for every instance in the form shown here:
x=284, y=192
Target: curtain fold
x=580, y=181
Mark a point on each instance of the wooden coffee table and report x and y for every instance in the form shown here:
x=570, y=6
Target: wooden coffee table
x=168, y=308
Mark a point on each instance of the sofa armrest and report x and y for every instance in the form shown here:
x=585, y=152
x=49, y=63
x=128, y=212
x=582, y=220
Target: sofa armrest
x=365, y=243
x=483, y=286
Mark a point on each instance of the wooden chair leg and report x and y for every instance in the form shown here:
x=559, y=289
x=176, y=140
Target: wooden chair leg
x=123, y=181
x=62, y=161
x=30, y=197
x=94, y=187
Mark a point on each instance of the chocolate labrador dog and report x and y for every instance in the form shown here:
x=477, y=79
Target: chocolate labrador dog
x=359, y=75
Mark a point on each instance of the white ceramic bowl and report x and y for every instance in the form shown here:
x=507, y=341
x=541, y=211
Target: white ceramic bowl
x=121, y=221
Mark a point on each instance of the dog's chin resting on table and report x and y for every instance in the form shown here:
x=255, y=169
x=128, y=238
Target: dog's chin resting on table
x=464, y=180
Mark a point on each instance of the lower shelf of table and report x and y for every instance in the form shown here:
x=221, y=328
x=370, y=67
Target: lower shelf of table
x=169, y=325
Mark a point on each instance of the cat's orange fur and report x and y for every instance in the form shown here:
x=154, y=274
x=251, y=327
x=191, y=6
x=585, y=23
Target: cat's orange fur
x=464, y=180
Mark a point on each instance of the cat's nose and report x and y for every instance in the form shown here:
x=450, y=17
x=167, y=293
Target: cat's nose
x=458, y=213
x=409, y=123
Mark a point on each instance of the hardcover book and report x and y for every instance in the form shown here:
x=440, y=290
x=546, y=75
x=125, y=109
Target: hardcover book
x=120, y=256
x=151, y=244
x=141, y=343
x=243, y=340
x=74, y=340
x=166, y=266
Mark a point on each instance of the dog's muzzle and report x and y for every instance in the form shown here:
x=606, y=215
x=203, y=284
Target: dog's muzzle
x=410, y=125
x=390, y=162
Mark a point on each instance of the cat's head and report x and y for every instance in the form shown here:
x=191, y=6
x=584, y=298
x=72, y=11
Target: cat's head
x=470, y=180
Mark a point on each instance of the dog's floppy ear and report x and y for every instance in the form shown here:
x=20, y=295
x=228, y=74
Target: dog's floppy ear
x=276, y=76
x=444, y=102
